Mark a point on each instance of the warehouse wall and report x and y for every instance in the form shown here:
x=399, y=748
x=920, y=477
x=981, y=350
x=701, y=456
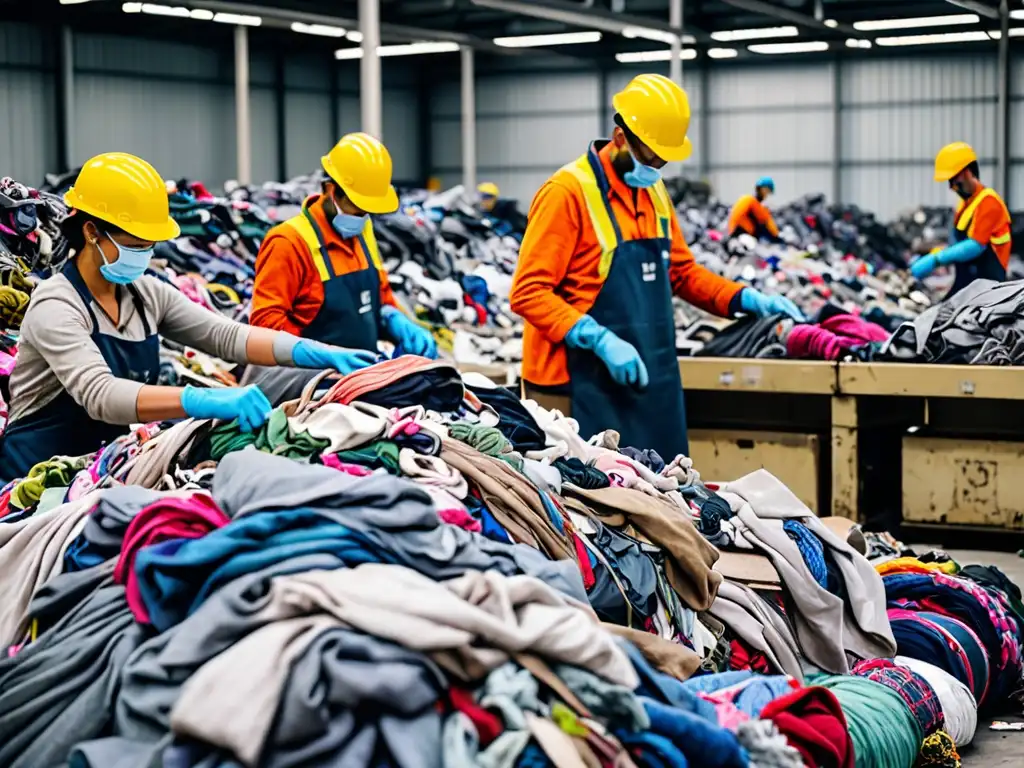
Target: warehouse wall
x=173, y=103
x=867, y=132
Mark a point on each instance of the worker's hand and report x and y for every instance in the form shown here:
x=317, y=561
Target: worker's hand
x=410, y=338
x=621, y=358
x=761, y=305
x=312, y=354
x=924, y=266
x=247, y=404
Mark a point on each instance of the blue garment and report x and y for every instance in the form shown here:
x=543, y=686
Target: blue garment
x=659, y=686
x=811, y=549
x=704, y=744
x=62, y=426
x=758, y=690
x=651, y=750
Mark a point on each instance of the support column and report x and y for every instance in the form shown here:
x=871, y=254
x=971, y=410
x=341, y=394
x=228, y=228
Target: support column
x=837, y=129
x=1003, y=114
x=424, y=119
x=370, y=91
x=335, y=117
x=243, y=116
x=675, y=19
x=65, y=98
x=280, y=117
x=468, y=121
x=703, y=148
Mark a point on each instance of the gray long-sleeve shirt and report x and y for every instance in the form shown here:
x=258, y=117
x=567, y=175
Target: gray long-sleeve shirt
x=56, y=351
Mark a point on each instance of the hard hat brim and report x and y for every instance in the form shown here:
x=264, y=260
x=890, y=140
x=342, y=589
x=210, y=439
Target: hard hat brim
x=154, y=233
x=387, y=203
x=672, y=154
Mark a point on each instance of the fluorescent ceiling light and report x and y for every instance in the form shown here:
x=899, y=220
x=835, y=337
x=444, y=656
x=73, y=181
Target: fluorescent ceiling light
x=723, y=53
x=1014, y=32
x=732, y=36
x=771, y=49
x=952, y=20
x=831, y=23
x=946, y=37
x=855, y=43
x=153, y=9
x=534, y=41
x=355, y=36
x=73, y=2
x=132, y=7
x=409, y=49
x=321, y=30
x=1017, y=14
x=238, y=19
x=658, y=35
x=645, y=57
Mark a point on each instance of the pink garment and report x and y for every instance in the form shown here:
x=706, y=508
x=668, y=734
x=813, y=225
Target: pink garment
x=450, y=509
x=729, y=715
x=189, y=517
x=7, y=362
x=831, y=339
x=331, y=460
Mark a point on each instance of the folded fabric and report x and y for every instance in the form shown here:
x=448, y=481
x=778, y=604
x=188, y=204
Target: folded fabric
x=170, y=518
x=813, y=722
x=344, y=426
x=431, y=470
x=103, y=535
x=919, y=696
x=701, y=742
x=402, y=381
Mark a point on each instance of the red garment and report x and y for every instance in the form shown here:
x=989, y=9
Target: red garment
x=813, y=723
x=379, y=376
x=174, y=517
x=744, y=658
x=583, y=558
x=488, y=726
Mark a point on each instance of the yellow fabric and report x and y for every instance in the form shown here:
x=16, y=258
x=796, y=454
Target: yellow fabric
x=657, y=110
x=126, y=191
x=966, y=217
x=905, y=563
x=952, y=159
x=1001, y=239
x=361, y=166
x=371, y=245
x=598, y=211
x=305, y=229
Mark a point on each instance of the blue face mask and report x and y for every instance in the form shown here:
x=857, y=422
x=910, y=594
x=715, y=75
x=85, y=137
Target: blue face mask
x=347, y=225
x=642, y=176
x=130, y=265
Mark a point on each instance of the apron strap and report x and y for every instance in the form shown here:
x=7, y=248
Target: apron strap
x=368, y=241
x=662, y=208
x=140, y=307
x=595, y=198
x=306, y=227
x=75, y=278
x=966, y=216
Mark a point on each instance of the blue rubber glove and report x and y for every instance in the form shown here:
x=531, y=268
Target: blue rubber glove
x=411, y=338
x=620, y=357
x=312, y=354
x=247, y=404
x=924, y=266
x=761, y=305
x=965, y=250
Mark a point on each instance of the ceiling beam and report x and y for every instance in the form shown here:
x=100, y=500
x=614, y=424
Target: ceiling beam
x=588, y=17
x=388, y=31
x=977, y=7
x=793, y=17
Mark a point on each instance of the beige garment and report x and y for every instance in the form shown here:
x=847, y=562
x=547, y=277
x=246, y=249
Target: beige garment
x=512, y=499
x=157, y=456
x=555, y=742
x=476, y=620
x=256, y=669
x=759, y=626
x=346, y=426
x=673, y=659
x=688, y=555
x=432, y=471
x=31, y=553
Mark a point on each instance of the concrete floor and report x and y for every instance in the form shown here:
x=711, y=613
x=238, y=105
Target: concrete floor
x=994, y=749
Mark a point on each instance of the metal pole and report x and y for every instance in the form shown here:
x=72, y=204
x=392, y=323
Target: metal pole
x=703, y=148
x=243, y=117
x=1002, y=183
x=468, y=121
x=675, y=19
x=837, y=130
x=370, y=93
x=66, y=99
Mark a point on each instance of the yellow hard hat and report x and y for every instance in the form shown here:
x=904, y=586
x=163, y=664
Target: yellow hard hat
x=126, y=191
x=489, y=188
x=657, y=110
x=952, y=159
x=361, y=166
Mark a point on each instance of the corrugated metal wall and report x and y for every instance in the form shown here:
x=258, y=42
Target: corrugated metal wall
x=1016, y=190
x=173, y=103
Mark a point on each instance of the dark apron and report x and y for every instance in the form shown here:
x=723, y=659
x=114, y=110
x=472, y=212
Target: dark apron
x=350, y=314
x=985, y=267
x=635, y=303
x=62, y=426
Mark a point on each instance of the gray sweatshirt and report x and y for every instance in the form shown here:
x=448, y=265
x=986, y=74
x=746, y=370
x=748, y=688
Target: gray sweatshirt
x=56, y=351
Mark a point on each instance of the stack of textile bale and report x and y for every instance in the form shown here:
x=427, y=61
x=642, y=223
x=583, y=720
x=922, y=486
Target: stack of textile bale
x=409, y=567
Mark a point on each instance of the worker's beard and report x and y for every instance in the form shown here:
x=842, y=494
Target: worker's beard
x=622, y=161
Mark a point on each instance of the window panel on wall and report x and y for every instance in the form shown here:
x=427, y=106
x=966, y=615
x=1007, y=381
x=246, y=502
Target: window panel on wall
x=877, y=80
x=28, y=140
x=308, y=128
x=915, y=132
x=182, y=128
x=749, y=138
x=790, y=182
x=778, y=85
x=560, y=93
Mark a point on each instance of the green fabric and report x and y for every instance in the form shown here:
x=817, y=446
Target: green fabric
x=274, y=437
x=487, y=440
x=383, y=453
x=884, y=731
x=51, y=498
x=57, y=472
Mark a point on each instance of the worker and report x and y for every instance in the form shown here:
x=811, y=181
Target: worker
x=503, y=213
x=979, y=244
x=319, y=274
x=749, y=215
x=89, y=350
x=487, y=196
x=602, y=255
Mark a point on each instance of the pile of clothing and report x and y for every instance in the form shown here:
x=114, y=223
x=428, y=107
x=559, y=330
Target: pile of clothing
x=407, y=566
